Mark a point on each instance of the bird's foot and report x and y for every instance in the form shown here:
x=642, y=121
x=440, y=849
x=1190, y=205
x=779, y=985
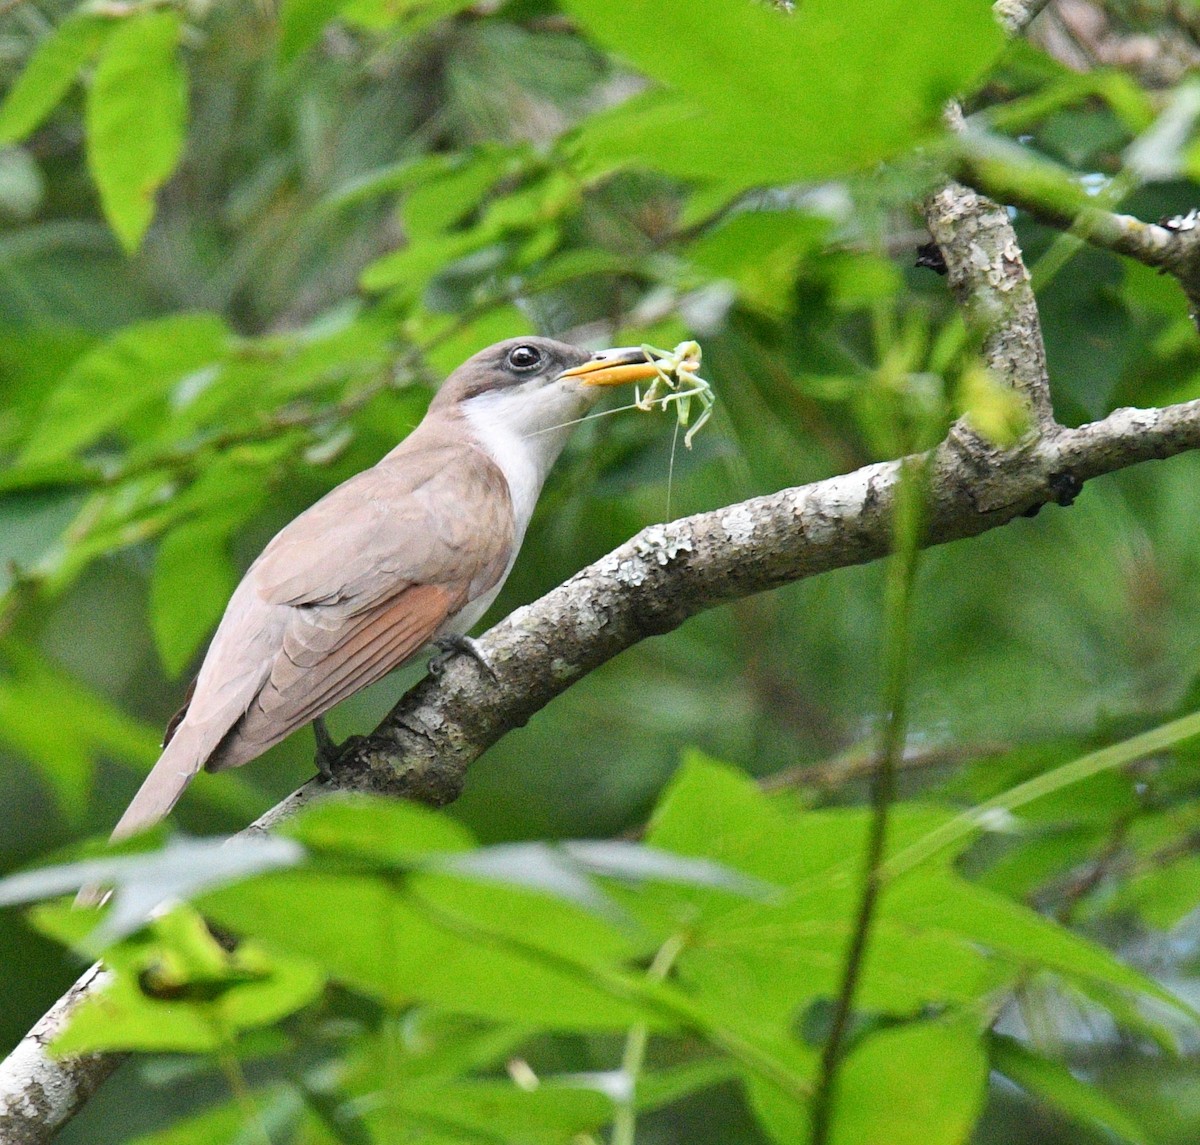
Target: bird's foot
x=328, y=753
x=450, y=646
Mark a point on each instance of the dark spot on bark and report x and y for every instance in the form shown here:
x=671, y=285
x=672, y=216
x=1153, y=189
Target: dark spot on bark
x=930, y=257
x=1064, y=488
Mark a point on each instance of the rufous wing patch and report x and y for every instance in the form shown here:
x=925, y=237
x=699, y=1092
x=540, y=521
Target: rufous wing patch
x=365, y=649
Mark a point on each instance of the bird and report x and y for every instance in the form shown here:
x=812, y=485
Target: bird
x=405, y=555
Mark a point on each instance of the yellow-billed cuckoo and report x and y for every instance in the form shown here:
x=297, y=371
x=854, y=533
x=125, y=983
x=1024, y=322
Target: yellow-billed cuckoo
x=408, y=553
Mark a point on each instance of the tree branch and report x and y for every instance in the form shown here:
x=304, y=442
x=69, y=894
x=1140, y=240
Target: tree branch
x=989, y=280
x=1049, y=194
x=1014, y=16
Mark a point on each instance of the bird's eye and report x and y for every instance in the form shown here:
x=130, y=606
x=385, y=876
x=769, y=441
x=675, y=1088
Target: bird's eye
x=524, y=357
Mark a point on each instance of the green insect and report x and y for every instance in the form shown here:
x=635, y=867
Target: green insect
x=678, y=383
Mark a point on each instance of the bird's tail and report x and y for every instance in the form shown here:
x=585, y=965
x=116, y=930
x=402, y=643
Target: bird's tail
x=182, y=758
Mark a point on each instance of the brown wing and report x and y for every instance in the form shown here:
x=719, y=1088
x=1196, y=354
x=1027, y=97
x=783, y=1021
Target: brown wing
x=369, y=648
x=367, y=577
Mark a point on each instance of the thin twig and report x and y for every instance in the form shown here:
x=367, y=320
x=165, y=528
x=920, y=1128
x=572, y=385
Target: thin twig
x=634, y=1057
x=900, y=586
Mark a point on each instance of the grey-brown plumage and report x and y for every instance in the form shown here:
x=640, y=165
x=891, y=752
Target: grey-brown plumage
x=411, y=550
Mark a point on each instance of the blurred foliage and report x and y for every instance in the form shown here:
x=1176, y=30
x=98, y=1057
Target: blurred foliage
x=240, y=246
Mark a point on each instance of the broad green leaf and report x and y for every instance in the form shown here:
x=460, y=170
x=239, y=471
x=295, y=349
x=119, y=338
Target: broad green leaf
x=225, y=1124
x=1015, y=931
x=384, y=832
x=134, y=368
x=761, y=97
x=712, y=810
x=62, y=727
x=193, y=578
x=922, y=1084
x=407, y=272
x=768, y=961
x=50, y=72
x=760, y=252
x=143, y=881
x=497, y=1110
x=403, y=16
x=1055, y=1084
x=176, y=988
x=784, y=1119
x=666, y=1086
x=436, y=949
x=401, y=175
x=300, y=23
x=1164, y=894
x=439, y=203
x=31, y=522
x=936, y=938
x=32, y=360
x=136, y=112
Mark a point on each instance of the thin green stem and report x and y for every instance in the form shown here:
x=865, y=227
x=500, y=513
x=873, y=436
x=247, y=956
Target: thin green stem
x=969, y=822
x=625, y=1122
x=238, y=1086
x=1066, y=245
x=898, y=613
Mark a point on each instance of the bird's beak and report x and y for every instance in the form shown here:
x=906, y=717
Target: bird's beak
x=614, y=367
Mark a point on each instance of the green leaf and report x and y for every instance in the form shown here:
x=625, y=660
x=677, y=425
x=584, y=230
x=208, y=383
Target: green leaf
x=761, y=97
x=300, y=23
x=177, y=989
x=30, y=524
x=50, y=72
x=946, y=902
x=384, y=832
x=143, y=881
x=62, y=727
x=785, y=1120
x=922, y=1084
x=436, y=948
x=135, y=367
x=1164, y=894
x=487, y=1110
x=1057, y=1086
x=135, y=115
x=192, y=580
x=768, y=961
x=410, y=270
x=760, y=252
x=444, y=200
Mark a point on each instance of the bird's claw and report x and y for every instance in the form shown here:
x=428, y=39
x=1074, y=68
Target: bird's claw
x=449, y=646
x=328, y=752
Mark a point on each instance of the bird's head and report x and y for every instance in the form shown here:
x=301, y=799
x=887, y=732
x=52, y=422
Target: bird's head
x=534, y=385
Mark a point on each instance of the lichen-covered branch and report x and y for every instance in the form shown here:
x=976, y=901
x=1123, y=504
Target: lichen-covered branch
x=988, y=277
x=1014, y=16
x=39, y=1093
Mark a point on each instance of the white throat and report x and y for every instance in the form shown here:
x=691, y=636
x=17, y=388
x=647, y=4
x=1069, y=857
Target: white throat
x=523, y=432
